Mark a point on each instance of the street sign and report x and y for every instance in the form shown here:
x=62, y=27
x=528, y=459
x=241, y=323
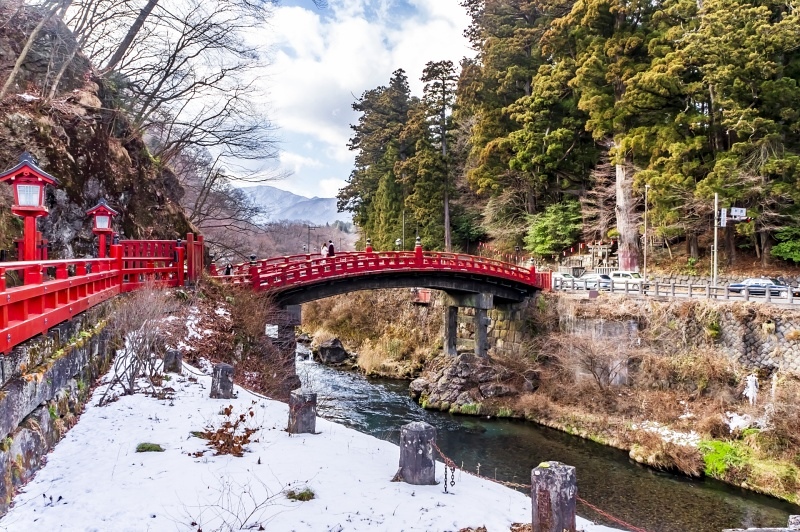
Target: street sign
x=723, y=217
x=738, y=212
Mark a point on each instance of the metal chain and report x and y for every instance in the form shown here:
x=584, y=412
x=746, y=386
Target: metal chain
x=448, y=463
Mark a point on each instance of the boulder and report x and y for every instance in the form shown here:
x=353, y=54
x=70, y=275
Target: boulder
x=332, y=352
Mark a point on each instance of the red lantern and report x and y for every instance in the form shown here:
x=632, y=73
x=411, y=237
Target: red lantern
x=101, y=226
x=28, y=182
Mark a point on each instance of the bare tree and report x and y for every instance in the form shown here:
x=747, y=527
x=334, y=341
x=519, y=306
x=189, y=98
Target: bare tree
x=51, y=8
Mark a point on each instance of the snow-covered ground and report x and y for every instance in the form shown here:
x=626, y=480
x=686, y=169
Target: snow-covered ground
x=95, y=480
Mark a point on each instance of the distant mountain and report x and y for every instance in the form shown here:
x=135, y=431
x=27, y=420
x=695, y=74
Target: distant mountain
x=283, y=205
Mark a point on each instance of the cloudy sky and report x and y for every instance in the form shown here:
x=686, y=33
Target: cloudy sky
x=322, y=60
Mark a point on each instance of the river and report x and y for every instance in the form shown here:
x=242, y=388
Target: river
x=508, y=450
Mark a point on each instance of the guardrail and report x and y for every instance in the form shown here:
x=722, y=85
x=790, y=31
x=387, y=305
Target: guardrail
x=677, y=290
x=299, y=269
x=38, y=295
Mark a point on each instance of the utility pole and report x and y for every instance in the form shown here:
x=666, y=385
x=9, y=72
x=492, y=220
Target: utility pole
x=716, y=239
x=646, y=189
x=310, y=227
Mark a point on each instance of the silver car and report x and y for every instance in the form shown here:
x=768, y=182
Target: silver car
x=594, y=281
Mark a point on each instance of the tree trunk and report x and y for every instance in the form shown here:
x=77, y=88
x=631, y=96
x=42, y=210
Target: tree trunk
x=628, y=251
x=691, y=246
x=730, y=245
x=448, y=245
x=766, y=247
x=29, y=44
x=130, y=36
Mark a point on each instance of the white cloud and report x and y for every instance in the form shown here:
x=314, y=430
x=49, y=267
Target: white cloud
x=296, y=162
x=324, y=60
x=328, y=188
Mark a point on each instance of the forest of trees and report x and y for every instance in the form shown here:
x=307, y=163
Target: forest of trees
x=570, y=108
x=183, y=76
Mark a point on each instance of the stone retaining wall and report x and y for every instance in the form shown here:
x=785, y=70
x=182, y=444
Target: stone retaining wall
x=44, y=384
x=757, y=336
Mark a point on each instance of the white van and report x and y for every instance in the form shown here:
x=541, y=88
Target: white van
x=634, y=280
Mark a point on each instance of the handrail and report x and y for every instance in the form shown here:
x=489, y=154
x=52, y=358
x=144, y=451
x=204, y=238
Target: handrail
x=54, y=291
x=292, y=270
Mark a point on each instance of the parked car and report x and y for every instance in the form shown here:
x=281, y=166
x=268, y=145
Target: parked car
x=757, y=286
x=633, y=279
x=594, y=281
x=561, y=281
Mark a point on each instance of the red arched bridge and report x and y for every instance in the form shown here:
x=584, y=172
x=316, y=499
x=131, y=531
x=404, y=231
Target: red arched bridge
x=35, y=296
x=298, y=279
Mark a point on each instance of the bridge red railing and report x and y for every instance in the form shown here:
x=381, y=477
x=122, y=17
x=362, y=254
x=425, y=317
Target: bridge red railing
x=292, y=270
x=37, y=295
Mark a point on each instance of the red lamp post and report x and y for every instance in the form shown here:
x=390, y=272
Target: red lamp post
x=102, y=224
x=28, y=182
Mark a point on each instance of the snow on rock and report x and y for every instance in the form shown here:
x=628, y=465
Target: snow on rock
x=690, y=439
x=94, y=479
x=738, y=421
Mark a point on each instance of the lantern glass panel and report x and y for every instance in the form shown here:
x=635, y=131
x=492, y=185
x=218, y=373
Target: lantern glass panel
x=102, y=221
x=28, y=195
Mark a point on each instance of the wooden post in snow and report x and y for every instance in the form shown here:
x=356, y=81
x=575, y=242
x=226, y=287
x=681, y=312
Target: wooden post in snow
x=302, y=412
x=417, y=465
x=554, y=492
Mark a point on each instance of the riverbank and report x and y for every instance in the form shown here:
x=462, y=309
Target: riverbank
x=338, y=479
x=667, y=395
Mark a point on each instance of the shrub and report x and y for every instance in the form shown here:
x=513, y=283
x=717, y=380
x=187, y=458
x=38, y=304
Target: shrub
x=149, y=448
x=304, y=495
x=720, y=456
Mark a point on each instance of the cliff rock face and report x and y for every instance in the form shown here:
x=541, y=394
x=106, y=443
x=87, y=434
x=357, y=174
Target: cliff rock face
x=83, y=141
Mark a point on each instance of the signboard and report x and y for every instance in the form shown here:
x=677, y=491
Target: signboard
x=723, y=217
x=738, y=212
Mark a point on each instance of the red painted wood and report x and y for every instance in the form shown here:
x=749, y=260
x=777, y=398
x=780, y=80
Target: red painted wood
x=294, y=270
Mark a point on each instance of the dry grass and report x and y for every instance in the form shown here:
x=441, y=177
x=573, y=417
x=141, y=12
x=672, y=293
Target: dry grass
x=393, y=337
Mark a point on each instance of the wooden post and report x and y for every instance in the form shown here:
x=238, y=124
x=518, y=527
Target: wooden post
x=302, y=412
x=554, y=492
x=222, y=382
x=672, y=288
x=417, y=465
x=173, y=361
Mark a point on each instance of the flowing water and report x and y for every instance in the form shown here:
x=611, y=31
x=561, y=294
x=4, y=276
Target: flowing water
x=508, y=450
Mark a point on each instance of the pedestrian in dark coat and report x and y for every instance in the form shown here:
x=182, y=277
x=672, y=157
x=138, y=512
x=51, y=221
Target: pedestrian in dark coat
x=330, y=248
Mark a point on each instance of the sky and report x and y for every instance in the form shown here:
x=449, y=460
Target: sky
x=322, y=60
x=95, y=480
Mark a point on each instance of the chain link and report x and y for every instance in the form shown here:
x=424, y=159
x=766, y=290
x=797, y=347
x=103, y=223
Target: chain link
x=448, y=463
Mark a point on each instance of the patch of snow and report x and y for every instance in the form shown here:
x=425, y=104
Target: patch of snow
x=690, y=439
x=95, y=480
x=206, y=366
x=28, y=97
x=271, y=331
x=221, y=312
x=738, y=421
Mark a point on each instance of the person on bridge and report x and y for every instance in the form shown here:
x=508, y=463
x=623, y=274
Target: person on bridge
x=324, y=250
x=330, y=248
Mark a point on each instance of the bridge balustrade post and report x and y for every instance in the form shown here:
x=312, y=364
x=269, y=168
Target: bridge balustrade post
x=33, y=275
x=116, y=255
x=190, y=256
x=255, y=281
x=655, y=286
x=672, y=288
x=418, y=251
x=180, y=251
x=2, y=279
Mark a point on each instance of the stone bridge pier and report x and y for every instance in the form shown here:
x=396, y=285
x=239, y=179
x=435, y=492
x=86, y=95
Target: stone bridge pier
x=481, y=302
